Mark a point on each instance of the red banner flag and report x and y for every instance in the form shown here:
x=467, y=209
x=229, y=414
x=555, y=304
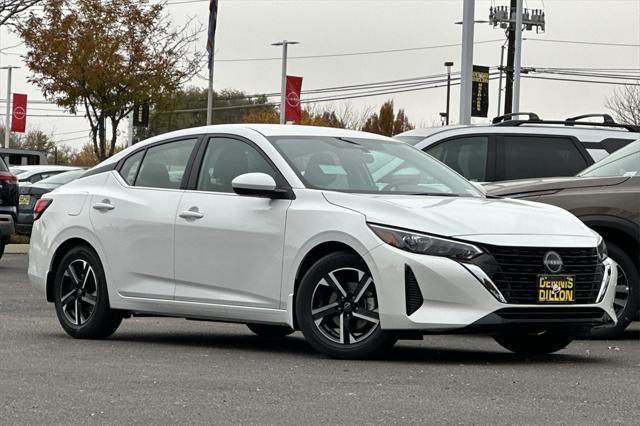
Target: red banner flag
x=19, y=117
x=293, y=110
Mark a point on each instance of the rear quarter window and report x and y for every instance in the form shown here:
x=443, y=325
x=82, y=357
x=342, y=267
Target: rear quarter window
x=526, y=156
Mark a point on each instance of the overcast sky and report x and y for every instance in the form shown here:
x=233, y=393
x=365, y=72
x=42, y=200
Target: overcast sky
x=246, y=28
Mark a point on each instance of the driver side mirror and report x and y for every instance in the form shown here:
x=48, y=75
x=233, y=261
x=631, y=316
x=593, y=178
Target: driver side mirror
x=259, y=185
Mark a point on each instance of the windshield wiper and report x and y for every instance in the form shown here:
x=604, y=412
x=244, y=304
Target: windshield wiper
x=348, y=141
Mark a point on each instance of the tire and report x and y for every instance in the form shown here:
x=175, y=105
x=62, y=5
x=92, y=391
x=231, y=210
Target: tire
x=627, y=293
x=339, y=292
x=270, y=331
x=80, y=285
x=534, y=344
x=1, y=250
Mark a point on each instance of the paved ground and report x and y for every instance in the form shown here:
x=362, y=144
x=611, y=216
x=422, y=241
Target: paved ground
x=175, y=371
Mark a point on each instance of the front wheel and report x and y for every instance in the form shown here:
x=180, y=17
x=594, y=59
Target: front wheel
x=337, y=308
x=80, y=296
x=534, y=343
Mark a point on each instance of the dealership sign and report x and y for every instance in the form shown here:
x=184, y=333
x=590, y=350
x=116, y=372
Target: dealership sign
x=19, y=115
x=480, y=91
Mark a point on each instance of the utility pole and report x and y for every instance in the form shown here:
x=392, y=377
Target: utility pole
x=448, y=65
x=7, y=118
x=468, y=24
x=283, y=90
x=507, y=18
x=517, y=63
x=511, y=53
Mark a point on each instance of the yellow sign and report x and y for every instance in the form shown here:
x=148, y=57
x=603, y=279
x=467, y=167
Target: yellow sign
x=556, y=289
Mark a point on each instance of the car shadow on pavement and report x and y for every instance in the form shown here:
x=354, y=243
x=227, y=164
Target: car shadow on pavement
x=296, y=346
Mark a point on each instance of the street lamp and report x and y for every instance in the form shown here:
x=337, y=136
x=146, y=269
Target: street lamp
x=7, y=120
x=283, y=95
x=448, y=64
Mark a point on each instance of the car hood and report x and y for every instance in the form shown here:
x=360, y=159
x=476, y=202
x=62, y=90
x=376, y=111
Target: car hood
x=524, y=186
x=475, y=219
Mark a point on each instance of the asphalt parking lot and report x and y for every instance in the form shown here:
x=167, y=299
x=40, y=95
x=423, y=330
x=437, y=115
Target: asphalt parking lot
x=165, y=371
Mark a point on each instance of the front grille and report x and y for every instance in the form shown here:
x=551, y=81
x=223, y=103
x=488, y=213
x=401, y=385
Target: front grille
x=516, y=271
x=414, y=299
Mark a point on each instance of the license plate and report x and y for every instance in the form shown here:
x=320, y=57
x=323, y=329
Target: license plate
x=556, y=289
x=24, y=200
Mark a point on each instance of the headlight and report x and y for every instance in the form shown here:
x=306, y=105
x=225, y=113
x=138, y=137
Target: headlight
x=602, y=250
x=425, y=244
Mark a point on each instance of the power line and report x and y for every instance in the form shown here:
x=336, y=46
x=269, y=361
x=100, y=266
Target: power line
x=581, y=80
x=593, y=43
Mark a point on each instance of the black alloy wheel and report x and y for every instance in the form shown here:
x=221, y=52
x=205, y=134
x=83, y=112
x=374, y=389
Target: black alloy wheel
x=80, y=296
x=337, y=308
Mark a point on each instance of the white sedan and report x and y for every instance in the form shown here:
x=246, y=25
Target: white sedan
x=353, y=238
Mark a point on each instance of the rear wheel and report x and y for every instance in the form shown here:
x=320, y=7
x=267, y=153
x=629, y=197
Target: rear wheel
x=627, y=296
x=80, y=296
x=542, y=343
x=337, y=308
x=270, y=331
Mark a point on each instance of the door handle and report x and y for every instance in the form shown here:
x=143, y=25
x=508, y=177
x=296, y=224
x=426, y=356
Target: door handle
x=191, y=214
x=104, y=206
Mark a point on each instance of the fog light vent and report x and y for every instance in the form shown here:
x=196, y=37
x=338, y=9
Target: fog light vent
x=412, y=291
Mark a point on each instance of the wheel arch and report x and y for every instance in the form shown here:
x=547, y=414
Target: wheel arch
x=621, y=232
x=61, y=250
x=311, y=256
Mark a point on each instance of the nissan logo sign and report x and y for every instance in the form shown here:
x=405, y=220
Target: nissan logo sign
x=553, y=262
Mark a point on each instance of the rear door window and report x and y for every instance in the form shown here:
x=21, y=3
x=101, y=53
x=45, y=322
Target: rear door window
x=521, y=157
x=165, y=165
x=467, y=156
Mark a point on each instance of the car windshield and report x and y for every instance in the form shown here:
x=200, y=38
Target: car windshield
x=624, y=162
x=369, y=166
x=62, y=178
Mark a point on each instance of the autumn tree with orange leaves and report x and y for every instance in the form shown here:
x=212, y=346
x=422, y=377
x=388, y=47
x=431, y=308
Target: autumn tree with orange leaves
x=102, y=57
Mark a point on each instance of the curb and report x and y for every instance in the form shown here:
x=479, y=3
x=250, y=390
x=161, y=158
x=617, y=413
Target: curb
x=17, y=249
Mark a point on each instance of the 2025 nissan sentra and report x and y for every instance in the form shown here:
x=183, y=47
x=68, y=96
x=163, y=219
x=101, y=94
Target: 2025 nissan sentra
x=354, y=239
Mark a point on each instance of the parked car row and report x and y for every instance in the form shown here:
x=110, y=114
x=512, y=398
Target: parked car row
x=18, y=196
x=355, y=239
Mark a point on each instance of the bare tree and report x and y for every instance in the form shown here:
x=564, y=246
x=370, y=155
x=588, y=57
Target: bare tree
x=625, y=104
x=11, y=8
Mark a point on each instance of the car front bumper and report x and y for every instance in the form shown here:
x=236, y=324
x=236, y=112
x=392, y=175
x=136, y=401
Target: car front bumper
x=455, y=301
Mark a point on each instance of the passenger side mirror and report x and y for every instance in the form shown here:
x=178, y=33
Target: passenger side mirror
x=256, y=185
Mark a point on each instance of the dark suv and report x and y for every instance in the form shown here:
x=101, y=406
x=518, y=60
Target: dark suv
x=8, y=204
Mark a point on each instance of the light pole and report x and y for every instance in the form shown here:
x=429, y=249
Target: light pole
x=448, y=65
x=7, y=118
x=466, y=61
x=283, y=95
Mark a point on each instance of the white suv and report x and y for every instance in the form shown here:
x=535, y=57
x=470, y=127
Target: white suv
x=521, y=149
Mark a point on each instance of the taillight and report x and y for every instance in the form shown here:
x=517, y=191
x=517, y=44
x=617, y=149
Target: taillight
x=9, y=178
x=40, y=207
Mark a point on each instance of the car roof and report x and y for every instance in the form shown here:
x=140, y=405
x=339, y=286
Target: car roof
x=584, y=134
x=266, y=130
